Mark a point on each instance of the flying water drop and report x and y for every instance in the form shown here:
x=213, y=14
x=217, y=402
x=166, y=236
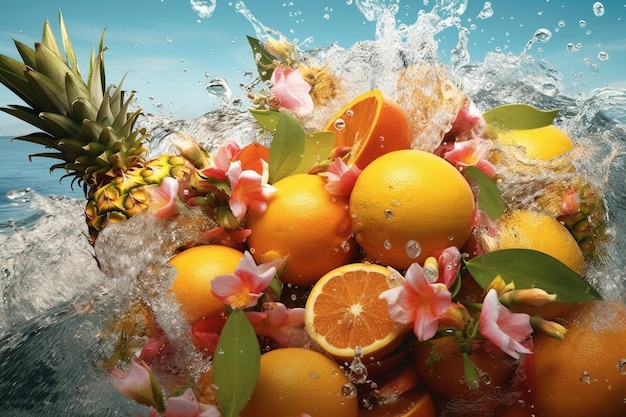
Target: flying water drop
x=203, y=8
x=598, y=9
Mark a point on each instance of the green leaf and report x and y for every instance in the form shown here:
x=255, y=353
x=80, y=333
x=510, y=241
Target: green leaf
x=288, y=142
x=532, y=269
x=317, y=147
x=489, y=198
x=519, y=116
x=263, y=58
x=236, y=364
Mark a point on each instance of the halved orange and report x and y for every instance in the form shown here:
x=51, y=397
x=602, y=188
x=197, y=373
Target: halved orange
x=412, y=403
x=344, y=312
x=371, y=125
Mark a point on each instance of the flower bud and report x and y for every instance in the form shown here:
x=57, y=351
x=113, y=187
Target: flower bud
x=227, y=219
x=500, y=286
x=456, y=317
x=550, y=328
x=281, y=49
x=533, y=297
x=191, y=150
x=431, y=269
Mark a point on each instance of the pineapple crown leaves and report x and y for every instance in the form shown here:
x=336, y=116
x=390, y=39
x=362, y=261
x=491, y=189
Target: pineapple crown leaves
x=87, y=123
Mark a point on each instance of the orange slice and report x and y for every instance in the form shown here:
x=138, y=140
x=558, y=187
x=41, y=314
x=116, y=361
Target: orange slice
x=408, y=404
x=344, y=312
x=371, y=125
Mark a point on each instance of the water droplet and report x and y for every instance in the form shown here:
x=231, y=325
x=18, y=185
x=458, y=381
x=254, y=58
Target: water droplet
x=169, y=40
x=387, y=244
x=561, y=23
x=542, y=35
x=582, y=23
x=388, y=214
x=413, y=249
x=598, y=9
x=395, y=279
x=345, y=246
x=339, y=124
x=585, y=378
x=349, y=112
x=486, y=12
x=219, y=89
x=203, y=8
x=314, y=375
x=348, y=390
x=603, y=55
x=326, y=16
x=621, y=366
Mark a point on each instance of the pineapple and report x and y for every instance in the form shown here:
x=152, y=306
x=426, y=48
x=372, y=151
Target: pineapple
x=88, y=125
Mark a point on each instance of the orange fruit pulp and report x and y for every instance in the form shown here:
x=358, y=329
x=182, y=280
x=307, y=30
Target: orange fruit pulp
x=343, y=312
x=195, y=269
x=307, y=225
x=407, y=205
x=371, y=125
x=296, y=380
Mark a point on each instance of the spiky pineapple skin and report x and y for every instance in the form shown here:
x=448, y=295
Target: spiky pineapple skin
x=125, y=195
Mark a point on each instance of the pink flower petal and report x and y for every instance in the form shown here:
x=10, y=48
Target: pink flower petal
x=164, y=202
x=418, y=302
x=503, y=328
x=243, y=288
x=291, y=90
x=248, y=190
x=341, y=178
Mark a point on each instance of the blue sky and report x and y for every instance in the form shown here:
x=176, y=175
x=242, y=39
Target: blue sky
x=169, y=52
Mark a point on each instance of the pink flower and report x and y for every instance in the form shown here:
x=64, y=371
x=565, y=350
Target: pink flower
x=341, y=178
x=225, y=237
x=418, y=302
x=139, y=384
x=449, y=264
x=291, y=90
x=471, y=153
x=186, y=405
x=164, y=201
x=503, y=328
x=249, y=189
x=468, y=122
x=220, y=161
x=283, y=325
x=244, y=288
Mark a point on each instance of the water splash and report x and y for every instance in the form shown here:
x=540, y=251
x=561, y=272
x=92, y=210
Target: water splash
x=203, y=8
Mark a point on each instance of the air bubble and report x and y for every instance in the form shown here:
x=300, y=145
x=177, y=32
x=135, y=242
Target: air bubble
x=348, y=390
x=542, y=35
x=585, y=378
x=339, y=124
x=598, y=9
x=413, y=249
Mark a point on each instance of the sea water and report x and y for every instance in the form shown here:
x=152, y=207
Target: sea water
x=55, y=297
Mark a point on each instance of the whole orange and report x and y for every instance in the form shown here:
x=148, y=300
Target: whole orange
x=306, y=224
x=588, y=365
x=370, y=125
x=293, y=381
x=408, y=204
x=195, y=269
x=445, y=378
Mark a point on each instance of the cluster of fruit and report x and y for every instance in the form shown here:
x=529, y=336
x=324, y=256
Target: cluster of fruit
x=363, y=277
